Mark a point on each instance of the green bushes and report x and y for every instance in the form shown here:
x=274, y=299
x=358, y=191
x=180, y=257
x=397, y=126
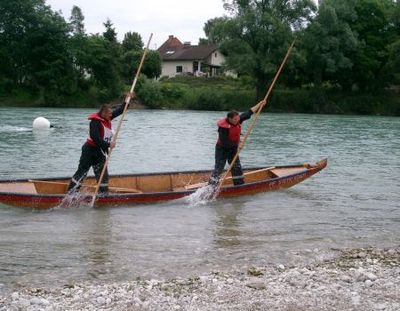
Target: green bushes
x=334, y=102
x=149, y=91
x=194, y=93
x=227, y=93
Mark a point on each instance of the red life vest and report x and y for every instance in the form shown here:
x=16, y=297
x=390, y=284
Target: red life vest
x=106, y=131
x=234, y=131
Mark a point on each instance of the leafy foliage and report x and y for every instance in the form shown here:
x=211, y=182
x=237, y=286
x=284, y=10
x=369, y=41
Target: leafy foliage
x=132, y=42
x=52, y=60
x=258, y=34
x=346, y=46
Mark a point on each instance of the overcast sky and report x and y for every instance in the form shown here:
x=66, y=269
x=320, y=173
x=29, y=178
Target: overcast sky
x=183, y=18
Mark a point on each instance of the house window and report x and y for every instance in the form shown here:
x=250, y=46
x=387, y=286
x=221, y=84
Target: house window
x=179, y=69
x=215, y=54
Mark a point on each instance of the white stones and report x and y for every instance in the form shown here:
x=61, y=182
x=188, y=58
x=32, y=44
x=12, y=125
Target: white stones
x=204, y=278
x=15, y=296
x=381, y=306
x=100, y=300
x=343, y=284
x=256, y=283
x=355, y=298
x=371, y=276
x=35, y=301
x=345, y=278
x=361, y=255
x=368, y=283
x=24, y=303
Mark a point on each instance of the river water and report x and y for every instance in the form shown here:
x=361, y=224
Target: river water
x=354, y=202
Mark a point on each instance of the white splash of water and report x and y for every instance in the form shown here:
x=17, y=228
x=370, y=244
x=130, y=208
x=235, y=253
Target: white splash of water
x=11, y=128
x=73, y=200
x=202, y=196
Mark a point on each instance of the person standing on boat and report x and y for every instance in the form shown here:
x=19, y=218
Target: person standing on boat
x=94, y=151
x=229, y=130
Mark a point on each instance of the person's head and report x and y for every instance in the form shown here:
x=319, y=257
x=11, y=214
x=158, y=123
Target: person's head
x=105, y=112
x=233, y=117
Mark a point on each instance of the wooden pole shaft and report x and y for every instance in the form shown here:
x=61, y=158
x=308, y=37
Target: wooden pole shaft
x=249, y=130
x=114, y=139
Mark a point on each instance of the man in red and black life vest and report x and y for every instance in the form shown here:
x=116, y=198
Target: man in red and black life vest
x=229, y=130
x=97, y=145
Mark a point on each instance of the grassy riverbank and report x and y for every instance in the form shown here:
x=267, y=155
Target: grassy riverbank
x=223, y=93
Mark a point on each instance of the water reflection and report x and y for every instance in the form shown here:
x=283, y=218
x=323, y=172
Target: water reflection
x=227, y=232
x=98, y=242
x=42, y=135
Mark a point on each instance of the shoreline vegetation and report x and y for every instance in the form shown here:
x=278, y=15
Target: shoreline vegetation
x=347, y=279
x=345, y=59
x=224, y=93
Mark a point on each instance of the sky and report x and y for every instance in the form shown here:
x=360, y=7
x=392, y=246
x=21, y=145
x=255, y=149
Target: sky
x=184, y=19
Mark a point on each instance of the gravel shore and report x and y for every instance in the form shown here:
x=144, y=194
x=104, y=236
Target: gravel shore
x=358, y=279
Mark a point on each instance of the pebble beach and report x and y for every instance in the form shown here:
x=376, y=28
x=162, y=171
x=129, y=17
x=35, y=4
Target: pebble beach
x=355, y=279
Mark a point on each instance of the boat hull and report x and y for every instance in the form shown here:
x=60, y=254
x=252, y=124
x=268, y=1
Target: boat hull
x=45, y=201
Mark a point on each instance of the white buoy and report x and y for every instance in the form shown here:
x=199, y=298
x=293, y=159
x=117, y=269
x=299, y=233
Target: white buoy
x=41, y=123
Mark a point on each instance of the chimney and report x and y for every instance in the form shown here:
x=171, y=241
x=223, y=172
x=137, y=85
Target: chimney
x=171, y=36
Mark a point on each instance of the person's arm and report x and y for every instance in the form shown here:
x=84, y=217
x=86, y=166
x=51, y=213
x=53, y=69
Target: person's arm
x=120, y=109
x=247, y=115
x=95, y=126
x=223, y=134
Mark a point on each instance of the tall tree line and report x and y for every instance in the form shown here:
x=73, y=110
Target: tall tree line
x=53, y=59
x=343, y=44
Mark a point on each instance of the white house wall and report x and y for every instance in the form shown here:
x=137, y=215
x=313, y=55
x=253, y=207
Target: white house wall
x=216, y=58
x=169, y=67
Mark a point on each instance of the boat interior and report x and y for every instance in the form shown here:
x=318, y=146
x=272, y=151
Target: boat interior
x=143, y=183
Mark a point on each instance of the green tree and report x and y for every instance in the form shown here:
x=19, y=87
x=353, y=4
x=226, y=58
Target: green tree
x=393, y=64
x=330, y=43
x=107, y=63
x=256, y=37
x=151, y=66
x=34, y=42
x=78, y=45
x=347, y=43
x=102, y=67
x=76, y=21
x=110, y=33
x=375, y=33
x=132, y=42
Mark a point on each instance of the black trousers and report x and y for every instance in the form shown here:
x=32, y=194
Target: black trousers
x=221, y=156
x=90, y=157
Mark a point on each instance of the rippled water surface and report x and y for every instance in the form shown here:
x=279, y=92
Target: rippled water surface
x=353, y=202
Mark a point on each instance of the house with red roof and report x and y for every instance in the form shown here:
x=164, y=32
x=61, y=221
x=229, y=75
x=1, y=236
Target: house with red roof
x=185, y=59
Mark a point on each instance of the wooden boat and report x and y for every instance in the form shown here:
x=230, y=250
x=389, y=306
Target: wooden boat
x=154, y=187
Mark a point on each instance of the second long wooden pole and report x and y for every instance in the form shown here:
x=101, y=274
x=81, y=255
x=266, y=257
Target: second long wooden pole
x=249, y=130
x=114, y=139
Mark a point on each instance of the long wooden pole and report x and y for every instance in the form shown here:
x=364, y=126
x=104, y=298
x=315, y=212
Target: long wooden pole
x=248, y=132
x=127, y=101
